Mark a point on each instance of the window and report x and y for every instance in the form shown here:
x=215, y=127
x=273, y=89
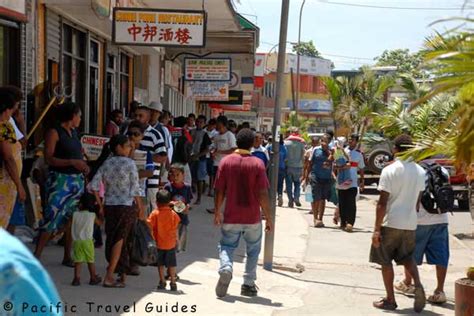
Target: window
x=9, y=56
x=94, y=86
x=124, y=80
x=73, y=66
x=269, y=89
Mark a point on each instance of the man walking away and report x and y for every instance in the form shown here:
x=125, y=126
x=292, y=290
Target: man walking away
x=295, y=147
x=347, y=195
x=400, y=186
x=432, y=241
x=242, y=181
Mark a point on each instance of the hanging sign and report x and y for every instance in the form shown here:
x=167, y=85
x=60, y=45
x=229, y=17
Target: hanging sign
x=155, y=27
x=207, y=69
x=207, y=90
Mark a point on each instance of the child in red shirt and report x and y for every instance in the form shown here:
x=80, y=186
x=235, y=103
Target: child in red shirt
x=164, y=224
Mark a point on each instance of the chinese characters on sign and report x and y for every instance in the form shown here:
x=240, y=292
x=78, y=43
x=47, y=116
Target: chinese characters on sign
x=207, y=69
x=159, y=27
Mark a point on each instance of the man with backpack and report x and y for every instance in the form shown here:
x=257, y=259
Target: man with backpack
x=432, y=237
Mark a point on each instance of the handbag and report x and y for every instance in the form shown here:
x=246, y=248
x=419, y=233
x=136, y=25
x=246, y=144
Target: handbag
x=144, y=250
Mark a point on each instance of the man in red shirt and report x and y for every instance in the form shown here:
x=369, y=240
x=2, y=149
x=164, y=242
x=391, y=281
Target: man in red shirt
x=242, y=180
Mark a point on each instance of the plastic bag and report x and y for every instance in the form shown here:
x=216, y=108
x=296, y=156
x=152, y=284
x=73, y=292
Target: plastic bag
x=144, y=250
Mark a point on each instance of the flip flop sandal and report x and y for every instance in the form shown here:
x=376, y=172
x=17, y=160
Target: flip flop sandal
x=68, y=263
x=385, y=305
x=97, y=280
x=117, y=285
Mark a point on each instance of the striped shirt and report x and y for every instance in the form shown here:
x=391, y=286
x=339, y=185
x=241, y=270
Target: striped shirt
x=154, y=143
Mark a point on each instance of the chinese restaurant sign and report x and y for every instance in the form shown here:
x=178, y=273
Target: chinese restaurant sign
x=207, y=90
x=207, y=69
x=154, y=27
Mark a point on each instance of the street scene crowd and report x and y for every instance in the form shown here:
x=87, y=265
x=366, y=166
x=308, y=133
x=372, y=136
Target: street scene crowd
x=155, y=170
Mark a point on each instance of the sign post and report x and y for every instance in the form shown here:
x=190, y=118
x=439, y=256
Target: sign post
x=270, y=236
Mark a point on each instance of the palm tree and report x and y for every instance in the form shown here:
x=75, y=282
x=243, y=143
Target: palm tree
x=451, y=60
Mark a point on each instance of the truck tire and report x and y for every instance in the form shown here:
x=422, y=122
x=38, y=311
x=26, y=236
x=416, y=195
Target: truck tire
x=377, y=160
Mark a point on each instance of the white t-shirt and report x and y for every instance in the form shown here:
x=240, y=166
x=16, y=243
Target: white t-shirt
x=425, y=218
x=19, y=135
x=82, y=225
x=404, y=180
x=224, y=141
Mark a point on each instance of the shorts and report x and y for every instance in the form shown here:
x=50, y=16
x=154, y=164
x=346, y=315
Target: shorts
x=321, y=188
x=83, y=251
x=167, y=258
x=432, y=241
x=396, y=244
x=202, y=170
x=210, y=166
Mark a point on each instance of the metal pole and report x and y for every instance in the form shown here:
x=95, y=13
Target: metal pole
x=270, y=236
x=298, y=63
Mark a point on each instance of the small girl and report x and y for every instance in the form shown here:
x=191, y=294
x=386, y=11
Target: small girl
x=341, y=159
x=83, y=243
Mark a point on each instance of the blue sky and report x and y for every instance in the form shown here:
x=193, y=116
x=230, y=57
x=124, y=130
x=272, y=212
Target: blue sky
x=362, y=33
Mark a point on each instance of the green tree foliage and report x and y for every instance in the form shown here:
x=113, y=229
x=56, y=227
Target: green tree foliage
x=405, y=61
x=306, y=49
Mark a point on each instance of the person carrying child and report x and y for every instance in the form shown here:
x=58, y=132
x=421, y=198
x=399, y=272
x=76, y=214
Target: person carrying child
x=341, y=158
x=82, y=231
x=164, y=222
x=181, y=193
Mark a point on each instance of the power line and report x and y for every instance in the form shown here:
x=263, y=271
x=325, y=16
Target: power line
x=372, y=6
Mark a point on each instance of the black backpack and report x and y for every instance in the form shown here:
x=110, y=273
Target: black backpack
x=438, y=196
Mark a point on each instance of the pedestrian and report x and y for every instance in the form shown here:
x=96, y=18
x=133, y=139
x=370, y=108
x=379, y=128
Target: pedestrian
x=259, y=151
x=211, y=132
x=295, y=146
x=65, y=184
x=183, y=146
x=197, y=135
x=10, y=156
x=164, y=223
x=191, y=122
x=180, y=192
x=122, y=204
x=201, y=144
x=83, y=243
x=232, y=126
x=432, y=241
x=347, y=194
x=394, y=238
x=113, y=126
x=134, y=105
x=307, y=166
x=224, y=145
x=320, y=179
x=281, y=168
x=153, y=143
x=242, y=181
x=163, y=128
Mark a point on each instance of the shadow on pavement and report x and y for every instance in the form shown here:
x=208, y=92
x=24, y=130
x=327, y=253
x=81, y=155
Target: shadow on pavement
x=251, y=300
x=410, y=311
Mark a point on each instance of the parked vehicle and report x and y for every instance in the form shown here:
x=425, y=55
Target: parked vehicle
x=377, y=152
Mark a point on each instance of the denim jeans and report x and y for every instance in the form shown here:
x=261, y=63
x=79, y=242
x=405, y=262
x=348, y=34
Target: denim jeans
x=231, y=234
x=281, y=179
x=293, y=178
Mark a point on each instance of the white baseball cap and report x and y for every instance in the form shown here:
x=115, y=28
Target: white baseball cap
x=155, y=106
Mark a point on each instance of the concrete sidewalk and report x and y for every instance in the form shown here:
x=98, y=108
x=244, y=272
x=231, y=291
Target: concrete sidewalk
x=338, y=278
x=341, y=281
x=198, y=276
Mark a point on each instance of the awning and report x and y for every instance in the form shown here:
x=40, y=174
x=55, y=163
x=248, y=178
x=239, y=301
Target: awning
x=81, y=13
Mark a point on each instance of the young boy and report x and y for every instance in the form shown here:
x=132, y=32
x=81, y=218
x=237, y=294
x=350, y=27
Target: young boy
x=180, y=192
x=83, y=242
x=164, y=223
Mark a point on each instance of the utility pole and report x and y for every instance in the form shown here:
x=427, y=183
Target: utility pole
x=298, y=62
x=270, y=236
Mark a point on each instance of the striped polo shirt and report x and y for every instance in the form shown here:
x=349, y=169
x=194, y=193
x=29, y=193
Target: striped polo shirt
x=154, y=143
